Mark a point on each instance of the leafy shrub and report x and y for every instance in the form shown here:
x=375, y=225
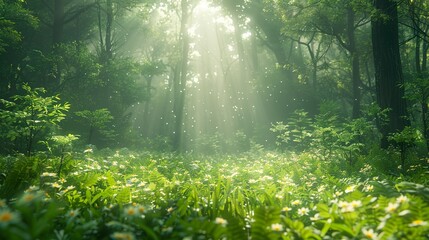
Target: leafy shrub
x=326, y=135
x=97, y=122
x=26, y=117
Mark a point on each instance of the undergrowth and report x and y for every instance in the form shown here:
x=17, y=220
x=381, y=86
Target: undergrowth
x=265, y=195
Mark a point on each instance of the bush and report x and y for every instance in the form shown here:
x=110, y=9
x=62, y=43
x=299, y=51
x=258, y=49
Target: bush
x=28, y=116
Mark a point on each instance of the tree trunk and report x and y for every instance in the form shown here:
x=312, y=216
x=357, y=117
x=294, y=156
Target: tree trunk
x=388, y=69
x=58, y=25
x=356, y=81
x=180, y=79
x=109, y=24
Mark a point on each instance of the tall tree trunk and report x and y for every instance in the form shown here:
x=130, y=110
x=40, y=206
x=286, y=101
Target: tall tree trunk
x=425, y=93
x=58, y=25
x=109, y=24
x=180, y=79
x=356, y=81
x=388, y=68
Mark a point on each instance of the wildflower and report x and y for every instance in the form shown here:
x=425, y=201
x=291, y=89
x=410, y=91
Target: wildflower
x=88, y=150
x=402, y=199
x=296, y=202
x=221, y=221
x=252, y=181
x=71, y=187
x=418, y=222
x=350, y=189
x=32, y=188
x=368, y=188
x=303, y=211
x=7, y=217
x=130, y=211
x=286, y=209
x=56, y=185
x=48, y=174
x=134, y=180
x=337, y=194
x=403, y=213
x=140, y=209
x=276, y=227
x=316, y=217
x=391, y=207
x=347, y=208
x=170, y=209
x=28, y=197
x=343, y=204
x=73, y=213
x=369, y=233
x=356, y=203
x=383, y=221
x=122, y=236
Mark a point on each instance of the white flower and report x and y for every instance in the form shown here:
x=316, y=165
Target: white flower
x=88, y=150
x=303, y=211
x=369, y=233
x=221, y=221
x=402, y=199
x=286, y=209
x=418, y=222
x=356, y=203
x=350, y=189
x=277, y=227
x=315, y=217
x=391, y=207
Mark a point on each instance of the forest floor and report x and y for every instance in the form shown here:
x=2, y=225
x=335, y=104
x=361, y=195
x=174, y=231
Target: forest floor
x=263, y=195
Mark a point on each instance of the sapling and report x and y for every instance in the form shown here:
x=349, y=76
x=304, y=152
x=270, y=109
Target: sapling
x=27, y=116
x=64, y=145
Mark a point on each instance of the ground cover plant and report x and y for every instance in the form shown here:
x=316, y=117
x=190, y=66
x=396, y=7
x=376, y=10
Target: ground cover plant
x=123, y=194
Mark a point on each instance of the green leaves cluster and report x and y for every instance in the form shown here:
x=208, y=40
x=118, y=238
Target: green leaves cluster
x=27, y=116
x=326, y=134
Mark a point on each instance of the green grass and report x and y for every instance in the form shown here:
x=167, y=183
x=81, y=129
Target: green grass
x=266, y=195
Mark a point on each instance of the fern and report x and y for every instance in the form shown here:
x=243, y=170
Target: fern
x=263, y=218
x=124, y=196
x=19, y=178
x=90, y=179
x=236, y=230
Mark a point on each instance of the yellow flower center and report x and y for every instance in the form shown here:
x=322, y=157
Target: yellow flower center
x=6, y=217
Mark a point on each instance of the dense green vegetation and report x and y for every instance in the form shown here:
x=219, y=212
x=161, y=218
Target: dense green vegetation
x=123, y=194
x=214, y=119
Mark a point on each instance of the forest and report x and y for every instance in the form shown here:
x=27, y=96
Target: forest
x=214, y=119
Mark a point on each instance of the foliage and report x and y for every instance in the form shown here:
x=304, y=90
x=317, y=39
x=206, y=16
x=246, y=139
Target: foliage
x=27, y=116
x=13, y=14
x=265, y=196
x=326, y=134
x=97, y=121
x=62, y=144
x=297, y=131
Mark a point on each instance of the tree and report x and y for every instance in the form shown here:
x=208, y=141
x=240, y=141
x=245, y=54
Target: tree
x=180, y=73
x=388, y=68
x=14, y=19
x=340, y=20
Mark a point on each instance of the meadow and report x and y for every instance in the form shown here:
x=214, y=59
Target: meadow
x=124, y=194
